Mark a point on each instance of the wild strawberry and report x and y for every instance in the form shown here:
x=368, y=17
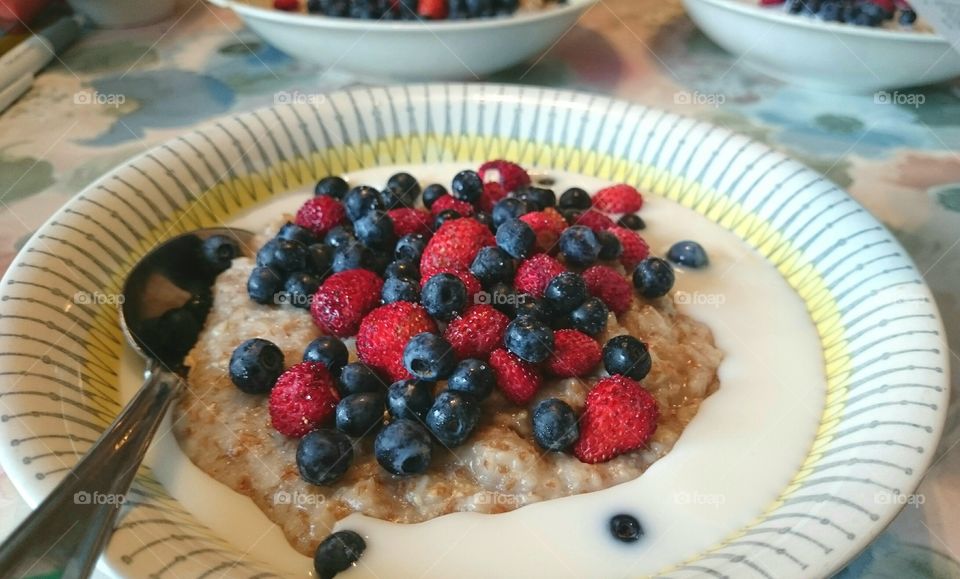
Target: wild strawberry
x=453, y=247
x=618, y=199
x=477, y=332
x=445, y=202
x=620, y=416
x=432, y=9
x=610, y=287
x=385, y=332
x=320, y=214
x=635, y=248
x=303, y=399
x=535, y=273
x=595, y=220
x=287, y=5
x=344, y=299
x=492, y=192
x=574, y=354
x=511, y=176
x=518, y=380
x=547, y=225
x=407, y=220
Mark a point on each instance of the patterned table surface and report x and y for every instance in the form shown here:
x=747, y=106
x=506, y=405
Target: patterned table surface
x=118, y=93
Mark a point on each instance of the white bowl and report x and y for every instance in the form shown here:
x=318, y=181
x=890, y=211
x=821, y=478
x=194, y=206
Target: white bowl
x=412, y=50
x=824, y=55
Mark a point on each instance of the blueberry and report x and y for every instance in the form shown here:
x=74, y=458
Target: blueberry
x=357, y=377
x=537, y=198
x=571, y=216
x=255, y=366
x=492, y=265
x=529, y=306
x=689, y=254
x=283, y=255
x=565, y=292
x=579, y=245
x=516, y=238
x=359, y=414
x=409, y=399
x=444, y=216
x=402, y=191
x=626, y=528
x=339, y=236
x=555, y=425
x=263, y=285
x=402, y=269
x=632, y=221
x=501, y=296
x=444, y=296
x=323, y=456
x=349, y=257
x=484, y=218
x=590, y=317
x=628, y=356
x=376, y=261
x=653, y=277
x=219, y=251
x=429, y=357
x=481, y=8
x=467, y=186
x=432, y=193
x=830, y=11
x=361, y=200
x=320, y=259
x=575, y=198
x=410, y=247
x=453, y=418
x=507, y=7
x=507, y=209
x=375, y=230
x=403, y=448
x=529, y=338
x=610, y=246
x=339, y=551
x=332, y=187
x=907, y=17
x=328, y=351
x=294, y=232
x=300, y=287
x=398, y=289
x=473, y=377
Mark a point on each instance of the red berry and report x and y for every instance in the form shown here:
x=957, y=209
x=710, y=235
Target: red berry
x=595, y=220
x=287, y=5
x=618, y=199
x=610, y=287
x=518, y=380
x=384, y=334
x=620, y=416
x=303, y=399
x=433, y=9
x=547, y=225
x=535, y=273
x=635, y=249
x=344, y=299
x=511, y=176
x=407, y=220
x=477, y=332
x=453, y=247
x=321, y=214
x=574, y=354
x=445, y=202
x=492, y=192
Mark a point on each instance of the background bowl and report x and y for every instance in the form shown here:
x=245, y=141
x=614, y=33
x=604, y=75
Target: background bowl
x=415, y=50
x=827, y=56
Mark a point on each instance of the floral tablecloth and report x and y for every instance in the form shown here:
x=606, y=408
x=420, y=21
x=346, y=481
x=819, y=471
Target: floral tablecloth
x=117, y=93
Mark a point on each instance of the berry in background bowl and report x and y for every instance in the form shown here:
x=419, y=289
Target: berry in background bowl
x=411, y=40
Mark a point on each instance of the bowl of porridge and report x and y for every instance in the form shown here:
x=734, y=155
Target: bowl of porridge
x=657, y=356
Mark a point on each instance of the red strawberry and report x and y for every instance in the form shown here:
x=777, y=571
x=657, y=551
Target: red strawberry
x=620, y=416
x=635, y=249
x=595, y=220
x=287, y=5
x=511, y=176
x=477, y=332
x=574, y=354
x=445, y=202
x=303, y=399
x=321, y=214
x=492, y=192
x=408, y=220
x=535, y=273
x=547, y=225
x=518, y=380
x=433, y=9
x=470, y=281
x=453, y=247
x=618, y=199
x=385, y=332
x=610, y=287
x=344, y=299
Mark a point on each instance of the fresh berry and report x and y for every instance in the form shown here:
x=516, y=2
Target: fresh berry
x=579, y=245
x=219, y=251
x=402, y=191
x=302, y=399
x=529, y=339
x=635, y=249
x=263, y=285
x=432, y=9
x=471, y=283
x=575, y=198
x=473, y=377
x=323, y=456
x=529, y=306
x=397, y=289
x=409, y=399
x=516, y=238
x=339, y=236
x=453, y=418
x=403, y=269
x=467, y=186
x=507, y=209
x=344, y=299
x=429, y=357
x=492, y=193
x=361, y=200
x=359, y=414
x=331, y=187
x=548, y=226
x=375, y=230
x=449, y=203
x=610, y=246
x=574, y=354
x=444, y=296
x=453, y=247
x=535, y=273
x=554, y=425
x=626, y=528
x=571, y=216
x=321, y=214
x=300, y=288
x=492, y=265
x=294, y=232
x=595, y=220
x=283, y=256
x=337, y=553
x=907, y=17
x=610, y=286
x=357, y=377
x=403, y=447
x=508, y=175
x=618, y=199
x=516, y=379
x=328, y=351
x=287, y=5
x=689, y=254
x=538, y=198
x=255, y=366
x=628, y=356
x=407, y=220
x=410, y=247
x=320, y=259
x=653, y=278
x=432, y=193
x=620, y=416
x=477, y=332
x=349, y=257
x=385, y=332
x=444, y=216
x=565, y=292
x=631, y=221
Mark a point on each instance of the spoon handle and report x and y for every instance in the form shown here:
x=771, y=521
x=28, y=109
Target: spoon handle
x=65, y=534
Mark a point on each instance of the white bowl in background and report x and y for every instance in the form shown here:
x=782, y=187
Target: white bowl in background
x=824, y=55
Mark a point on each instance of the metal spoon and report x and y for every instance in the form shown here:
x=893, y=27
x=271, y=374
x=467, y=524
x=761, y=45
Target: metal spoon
x=166, y=299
